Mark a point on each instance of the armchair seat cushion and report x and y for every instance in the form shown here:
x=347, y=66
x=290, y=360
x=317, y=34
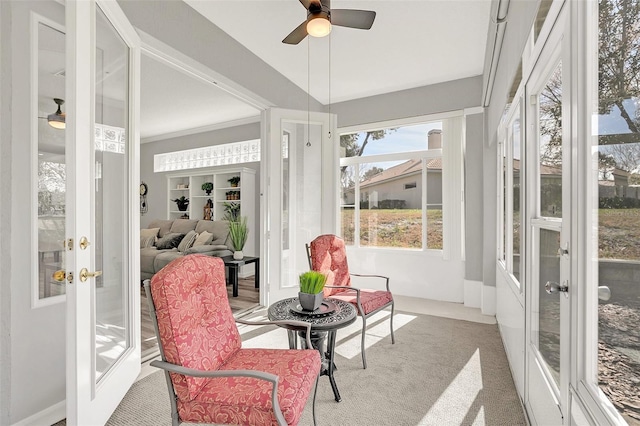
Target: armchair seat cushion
x=369, y=299
x=245, y=400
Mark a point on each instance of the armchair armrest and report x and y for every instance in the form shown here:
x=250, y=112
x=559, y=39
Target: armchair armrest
x=261, y=375
x=373, y=276
x=299, y=324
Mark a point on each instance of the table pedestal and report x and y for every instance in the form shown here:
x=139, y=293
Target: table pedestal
x=318, y=339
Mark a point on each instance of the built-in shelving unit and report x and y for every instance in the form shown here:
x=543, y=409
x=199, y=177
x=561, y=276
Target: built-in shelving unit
x=224, y=193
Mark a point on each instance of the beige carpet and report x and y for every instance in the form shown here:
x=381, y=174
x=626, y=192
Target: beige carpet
x=439, y=372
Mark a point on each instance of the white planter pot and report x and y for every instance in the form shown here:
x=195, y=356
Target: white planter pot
x=238, y=255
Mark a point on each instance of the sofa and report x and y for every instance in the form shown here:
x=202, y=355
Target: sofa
x=165, y=240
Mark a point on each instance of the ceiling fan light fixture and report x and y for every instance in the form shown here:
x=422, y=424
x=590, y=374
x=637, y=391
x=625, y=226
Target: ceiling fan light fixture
x=57, y=120
x=319, y=26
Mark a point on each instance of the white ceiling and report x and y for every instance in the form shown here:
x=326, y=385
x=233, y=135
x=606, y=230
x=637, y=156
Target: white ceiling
x=411, y=44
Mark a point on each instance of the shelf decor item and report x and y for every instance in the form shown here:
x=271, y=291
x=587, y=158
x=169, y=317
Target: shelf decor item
x=182, y=202
x=207, y=187
x=231, y=211
x=311, y=286
x=238, y=233
x=234, y=181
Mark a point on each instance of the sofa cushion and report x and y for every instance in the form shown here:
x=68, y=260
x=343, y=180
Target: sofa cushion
x=219, y=229
x=208, y=249
x=163, y=224
x=182, y=226
x=187, y=241
x=203, y=238
x=147, y=241
x=149, y=232
x=169, y=241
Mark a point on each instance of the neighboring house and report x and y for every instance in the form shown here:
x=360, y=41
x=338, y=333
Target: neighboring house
x=400, y=186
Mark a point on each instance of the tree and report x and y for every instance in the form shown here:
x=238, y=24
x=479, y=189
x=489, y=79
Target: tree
x=354, y=149
x=619, y=58
x=372, y=172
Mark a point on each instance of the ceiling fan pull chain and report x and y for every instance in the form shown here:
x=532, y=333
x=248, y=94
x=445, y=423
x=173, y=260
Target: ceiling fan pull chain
x=308, y=93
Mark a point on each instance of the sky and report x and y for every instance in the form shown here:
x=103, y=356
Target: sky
x=407, y=138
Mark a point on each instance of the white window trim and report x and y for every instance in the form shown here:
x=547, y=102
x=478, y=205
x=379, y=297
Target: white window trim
x=452, y=178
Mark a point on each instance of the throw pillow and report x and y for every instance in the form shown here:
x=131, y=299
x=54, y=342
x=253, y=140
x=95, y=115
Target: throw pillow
x=203, y=239
x=187, y=241
x=149, y=232
x=169, y=241
x=146, y=242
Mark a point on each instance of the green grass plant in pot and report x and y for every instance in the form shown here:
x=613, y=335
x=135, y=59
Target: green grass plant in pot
x=238, y=233
x=311, y=286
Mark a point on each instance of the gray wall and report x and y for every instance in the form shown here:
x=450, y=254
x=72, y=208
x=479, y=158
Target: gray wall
x=5, y=214
x=179, y=26
x=157, y=182
x=433, y=99
x=33, y=340
x=474, y=199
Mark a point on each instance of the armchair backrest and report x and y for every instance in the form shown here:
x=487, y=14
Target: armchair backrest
x=195, y=322
x=329, y=255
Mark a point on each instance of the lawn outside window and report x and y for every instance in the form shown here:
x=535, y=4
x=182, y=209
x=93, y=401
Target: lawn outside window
x=393, y=200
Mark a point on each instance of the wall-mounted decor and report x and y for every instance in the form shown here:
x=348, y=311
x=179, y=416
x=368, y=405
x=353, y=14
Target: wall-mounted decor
x=144, y=189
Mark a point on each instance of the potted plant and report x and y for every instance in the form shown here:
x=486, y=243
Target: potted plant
x=234, y=181
x=311, y=286
x=182, y=203
x=231, y=211
x=207, y=187
x=238, y=233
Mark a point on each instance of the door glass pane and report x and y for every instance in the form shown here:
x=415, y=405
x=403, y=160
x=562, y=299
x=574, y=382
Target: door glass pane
x=302, y=207
x=517, y=196
x=547, y=337
x=618, y=192
x=51, y=161
x=110, y=240
x=550, y=145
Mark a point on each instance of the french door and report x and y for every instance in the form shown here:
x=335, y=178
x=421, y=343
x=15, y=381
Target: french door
x=102, y=271
x=299, y=175
x=548, y=228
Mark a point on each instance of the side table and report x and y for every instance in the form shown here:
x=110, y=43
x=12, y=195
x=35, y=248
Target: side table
x=337, y=314
x=234, y=265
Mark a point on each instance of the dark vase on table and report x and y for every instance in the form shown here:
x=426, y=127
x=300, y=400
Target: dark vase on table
x=310, y=301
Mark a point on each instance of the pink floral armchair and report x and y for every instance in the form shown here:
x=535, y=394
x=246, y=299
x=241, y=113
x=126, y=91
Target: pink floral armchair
x=211, y=378
x=327, y=253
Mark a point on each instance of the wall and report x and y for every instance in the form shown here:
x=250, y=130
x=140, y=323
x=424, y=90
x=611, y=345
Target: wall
x=474, y=199
x=37, y=336
x=157, y=182
x=5, y=213
x=179, y=26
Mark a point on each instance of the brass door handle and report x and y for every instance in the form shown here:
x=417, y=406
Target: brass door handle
x=85, y=274
x=60, y=275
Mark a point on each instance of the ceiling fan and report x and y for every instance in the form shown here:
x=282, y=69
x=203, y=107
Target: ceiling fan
x=320, y=17
x=57, y=120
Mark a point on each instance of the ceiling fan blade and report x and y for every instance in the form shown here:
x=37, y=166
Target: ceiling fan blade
x=306, y=3
x=297, y=35
x=353, y=18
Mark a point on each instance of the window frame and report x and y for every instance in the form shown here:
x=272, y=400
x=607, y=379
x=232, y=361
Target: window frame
x=452, y=158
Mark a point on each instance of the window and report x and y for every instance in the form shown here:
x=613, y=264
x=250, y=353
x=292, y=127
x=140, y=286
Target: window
x=512, y=197
x=391, y=187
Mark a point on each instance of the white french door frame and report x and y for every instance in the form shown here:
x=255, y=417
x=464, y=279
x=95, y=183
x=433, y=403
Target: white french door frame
x=584, y=372
x=271, y=251
x=89, y=400
x=537, y=377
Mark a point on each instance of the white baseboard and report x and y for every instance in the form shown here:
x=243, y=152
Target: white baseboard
x=48, y=416
x=488, y=302
x=472, y=293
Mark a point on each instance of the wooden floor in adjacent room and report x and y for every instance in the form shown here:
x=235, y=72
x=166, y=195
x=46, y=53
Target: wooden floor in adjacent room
x=248, y=297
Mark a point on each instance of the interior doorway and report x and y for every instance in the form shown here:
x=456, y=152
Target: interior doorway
x=190, y=94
